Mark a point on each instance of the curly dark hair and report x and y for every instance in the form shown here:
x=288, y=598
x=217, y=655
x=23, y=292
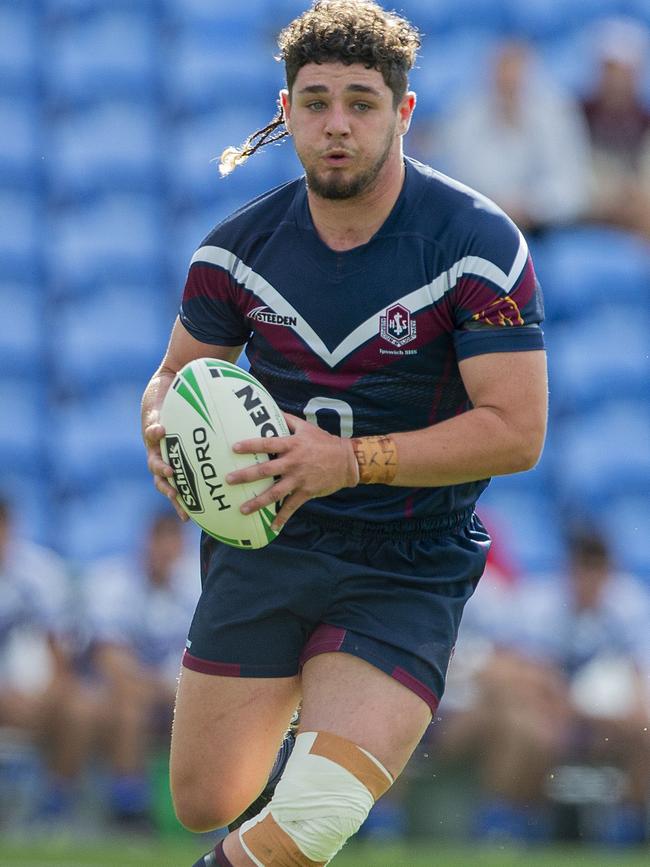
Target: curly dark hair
x=351, y=31
x=347, y=31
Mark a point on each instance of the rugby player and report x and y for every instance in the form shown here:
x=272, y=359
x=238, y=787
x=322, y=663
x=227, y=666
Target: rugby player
x=404, y=345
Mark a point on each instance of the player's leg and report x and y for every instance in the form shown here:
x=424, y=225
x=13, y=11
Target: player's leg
x=366, y=700
x=225, y=737
x=358, y=728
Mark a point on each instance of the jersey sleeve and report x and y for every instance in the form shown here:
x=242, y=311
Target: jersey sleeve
x=210, y=307
x=497, y=300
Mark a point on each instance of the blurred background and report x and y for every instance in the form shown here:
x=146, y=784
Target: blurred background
x=113, y=114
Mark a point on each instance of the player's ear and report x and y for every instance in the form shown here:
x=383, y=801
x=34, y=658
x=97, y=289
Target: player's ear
x=285, y=102
x=405, y=112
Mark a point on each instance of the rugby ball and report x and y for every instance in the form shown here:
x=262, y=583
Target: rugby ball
x=211, y=405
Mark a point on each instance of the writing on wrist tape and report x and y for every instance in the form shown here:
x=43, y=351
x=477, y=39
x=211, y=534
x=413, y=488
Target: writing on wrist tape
x=376, y=458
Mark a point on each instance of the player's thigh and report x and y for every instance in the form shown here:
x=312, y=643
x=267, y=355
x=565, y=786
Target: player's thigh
x=349, y=697
x=225, y=736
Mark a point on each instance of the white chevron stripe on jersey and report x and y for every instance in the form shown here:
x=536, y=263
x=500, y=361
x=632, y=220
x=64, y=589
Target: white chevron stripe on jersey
x=488, y=270
x=414, y=301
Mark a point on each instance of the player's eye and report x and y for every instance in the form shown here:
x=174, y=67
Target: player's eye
x=361, y=106
x=317, y=105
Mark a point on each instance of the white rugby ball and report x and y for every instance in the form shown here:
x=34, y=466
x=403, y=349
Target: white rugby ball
x=211, y=405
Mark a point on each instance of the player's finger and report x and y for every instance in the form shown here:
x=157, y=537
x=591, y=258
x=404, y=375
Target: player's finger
x=153, y=433
x=164, y=487
x=276, y=492
x=157, y=465
x=263, y=445
x=172, y=494
x=263, y=470
x=293, y=421
x=290, y=505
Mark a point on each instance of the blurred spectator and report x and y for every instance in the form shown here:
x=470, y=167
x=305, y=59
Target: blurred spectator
x=40, y=695
x=619, y=127
x=519, y=141
x=569, y=681
x=138, y=612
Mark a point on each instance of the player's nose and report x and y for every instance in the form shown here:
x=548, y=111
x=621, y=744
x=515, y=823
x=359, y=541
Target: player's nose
x=337, y=123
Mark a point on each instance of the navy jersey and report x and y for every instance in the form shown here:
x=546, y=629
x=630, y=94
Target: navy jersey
x=367, y=341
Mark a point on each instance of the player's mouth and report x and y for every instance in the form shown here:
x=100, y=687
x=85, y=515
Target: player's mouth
x=337, y=157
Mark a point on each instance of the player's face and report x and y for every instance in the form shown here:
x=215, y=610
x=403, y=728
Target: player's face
x=346, y=130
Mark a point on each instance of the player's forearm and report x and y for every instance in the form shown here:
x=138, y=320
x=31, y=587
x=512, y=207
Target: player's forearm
x=475, y=445
x=154, y=394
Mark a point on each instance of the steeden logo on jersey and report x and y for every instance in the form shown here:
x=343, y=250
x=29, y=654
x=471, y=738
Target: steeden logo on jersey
x=263, y=314
x=397, y=326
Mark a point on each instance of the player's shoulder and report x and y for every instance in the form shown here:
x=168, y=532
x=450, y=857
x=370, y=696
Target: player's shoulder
x=257, y=218
x=458, y=213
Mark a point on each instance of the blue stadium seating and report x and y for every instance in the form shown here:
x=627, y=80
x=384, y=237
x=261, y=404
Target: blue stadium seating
x=111, y=51
x=581, y=269
x=115, y=334
x=30, y=494
x=109, y=237
x=450, y=66
x=22, y=154
x=224, y=23
x=22, y=334
x=108, y=520
x=626, y=520
x=438, y=17
x=98, y=438
x=24, y=427
x=604, y=453
x=200, y=77
x=601, y=356
x=529, y=527
x=193, y=173
x=541, y=19
x=66, y=10
x=113, y=144
x=19, y=48
x=21, y=235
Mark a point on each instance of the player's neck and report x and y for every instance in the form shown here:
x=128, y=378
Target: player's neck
x=343, y=224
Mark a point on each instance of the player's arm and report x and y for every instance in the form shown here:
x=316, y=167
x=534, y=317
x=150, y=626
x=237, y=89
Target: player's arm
x=182, y=348
x=502, y=433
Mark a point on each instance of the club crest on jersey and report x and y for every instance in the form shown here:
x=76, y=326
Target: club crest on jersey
x=263, y=314
x=397, y=326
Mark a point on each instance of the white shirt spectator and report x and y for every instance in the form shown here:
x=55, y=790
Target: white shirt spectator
x=521, y=142
x=122, y=606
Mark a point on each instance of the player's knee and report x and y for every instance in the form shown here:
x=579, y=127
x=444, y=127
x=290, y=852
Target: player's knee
x=323, y=798
x=201, y=807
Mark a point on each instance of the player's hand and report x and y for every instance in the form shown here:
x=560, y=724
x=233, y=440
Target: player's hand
x=161, y=471
x=310, y=463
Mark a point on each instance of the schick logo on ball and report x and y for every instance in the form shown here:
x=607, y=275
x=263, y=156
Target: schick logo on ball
x=184, y=477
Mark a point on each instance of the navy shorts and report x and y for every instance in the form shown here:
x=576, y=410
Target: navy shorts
x=391, y=594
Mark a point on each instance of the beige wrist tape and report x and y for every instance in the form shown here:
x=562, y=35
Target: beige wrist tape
x=377, y=459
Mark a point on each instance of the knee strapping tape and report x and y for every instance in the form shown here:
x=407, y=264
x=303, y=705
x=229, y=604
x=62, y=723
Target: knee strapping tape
x=323, y=798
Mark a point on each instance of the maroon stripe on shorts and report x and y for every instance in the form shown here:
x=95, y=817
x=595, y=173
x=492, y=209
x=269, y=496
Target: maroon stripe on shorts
x=206, y=666
x=221, y=856
x=324, y=639
x=417, y=687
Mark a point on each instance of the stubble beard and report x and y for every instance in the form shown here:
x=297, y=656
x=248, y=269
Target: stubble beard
x=335, y=187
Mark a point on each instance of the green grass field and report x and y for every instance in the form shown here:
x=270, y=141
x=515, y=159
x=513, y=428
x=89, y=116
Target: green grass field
x=176, y=854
